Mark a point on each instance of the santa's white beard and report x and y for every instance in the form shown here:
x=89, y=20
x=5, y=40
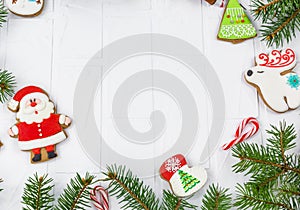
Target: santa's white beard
x=35, y=114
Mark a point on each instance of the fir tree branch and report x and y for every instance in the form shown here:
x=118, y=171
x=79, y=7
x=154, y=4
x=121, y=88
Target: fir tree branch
x=37, y=193
x=249, y=197
x=7, y=85
x=264, y=8
x=3, y=13
x=290, y=192
x=274, y=175
x=216, y=198
x=268, y=165
x=280, y=20
x=1, y=180
x=282, y=167
x=76, y=195
x=271, y=179
x=282, y=149
x=131, y=189
x=283, y=25
x=171, y=202
x=133, y=194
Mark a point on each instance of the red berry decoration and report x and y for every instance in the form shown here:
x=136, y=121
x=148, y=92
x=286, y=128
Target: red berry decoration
x=228, y=16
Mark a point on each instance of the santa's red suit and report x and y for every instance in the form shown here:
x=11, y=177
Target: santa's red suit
x=37, y=135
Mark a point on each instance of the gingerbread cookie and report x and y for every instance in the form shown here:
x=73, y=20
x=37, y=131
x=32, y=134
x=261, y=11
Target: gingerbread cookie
x=25, y=8
x=38, y=127
x=184, y=180
x=235, y=26
x=274, y=79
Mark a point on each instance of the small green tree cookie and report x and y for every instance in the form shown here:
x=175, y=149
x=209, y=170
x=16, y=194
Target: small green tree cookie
x=235, y=26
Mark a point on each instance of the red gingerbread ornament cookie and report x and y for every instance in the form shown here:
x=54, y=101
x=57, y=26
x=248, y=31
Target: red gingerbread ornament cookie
x=38, y=127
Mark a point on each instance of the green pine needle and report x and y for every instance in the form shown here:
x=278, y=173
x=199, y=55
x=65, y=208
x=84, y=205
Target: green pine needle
x=7, y=85
x=3, y=13
x=216, y=198
x=77, y=194
x=274, y=171
x=172, y=202
x=280, y=20
x=133, y=194
x=1, y=180
x=268, y=165
x=37, y=193
x=250, y=197
x=131, y=191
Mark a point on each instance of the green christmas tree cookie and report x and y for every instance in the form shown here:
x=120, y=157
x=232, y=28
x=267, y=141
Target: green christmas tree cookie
x=187, y=180
x=235, y=26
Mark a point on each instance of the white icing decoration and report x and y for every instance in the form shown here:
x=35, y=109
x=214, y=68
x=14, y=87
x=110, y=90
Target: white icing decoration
x=25, y=7
x=238, y=31
x=234, y=12
x=197, y=171
x=62, y=119
x=15, y=130
x=42, y=142
x=274, y=88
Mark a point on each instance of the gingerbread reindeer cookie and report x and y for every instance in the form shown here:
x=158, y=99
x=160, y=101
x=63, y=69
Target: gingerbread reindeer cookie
x=275, y=80
x=38, y=127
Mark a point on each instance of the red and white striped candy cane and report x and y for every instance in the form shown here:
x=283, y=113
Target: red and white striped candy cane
x=99, y=195
x=239, y=137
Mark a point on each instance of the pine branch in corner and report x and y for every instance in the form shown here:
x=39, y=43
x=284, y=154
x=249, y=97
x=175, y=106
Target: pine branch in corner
x=216, y=198
x=280, y=20
x=77, y=193
x=37, y=193
x=274, y=171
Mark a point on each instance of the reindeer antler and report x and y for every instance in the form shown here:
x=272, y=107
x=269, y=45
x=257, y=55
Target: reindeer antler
x=277, y=59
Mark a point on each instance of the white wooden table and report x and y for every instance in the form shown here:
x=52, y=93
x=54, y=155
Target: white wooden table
x=52, y=49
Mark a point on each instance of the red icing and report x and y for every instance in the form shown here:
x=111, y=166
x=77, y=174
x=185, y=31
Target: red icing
x=279, y=59
x=30, y=132
x=167, y=171
x=27, y=90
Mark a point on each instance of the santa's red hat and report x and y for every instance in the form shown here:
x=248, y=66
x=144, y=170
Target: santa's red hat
x=25, y=94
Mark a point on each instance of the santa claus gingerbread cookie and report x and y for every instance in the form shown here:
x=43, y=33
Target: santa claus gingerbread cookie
x=38, y=127
x=184, y=180
x=25, y=8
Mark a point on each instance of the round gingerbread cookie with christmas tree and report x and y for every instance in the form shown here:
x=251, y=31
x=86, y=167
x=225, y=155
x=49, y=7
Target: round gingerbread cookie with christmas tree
x=235, y=26
x=38, y=127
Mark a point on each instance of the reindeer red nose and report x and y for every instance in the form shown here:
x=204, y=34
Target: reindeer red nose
x=33, y=104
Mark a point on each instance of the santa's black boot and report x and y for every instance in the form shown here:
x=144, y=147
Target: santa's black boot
x=36, y=158
x=51, y=154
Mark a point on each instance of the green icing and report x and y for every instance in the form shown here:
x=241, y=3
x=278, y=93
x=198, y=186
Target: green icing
x=235, y=23
x=188, y=181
